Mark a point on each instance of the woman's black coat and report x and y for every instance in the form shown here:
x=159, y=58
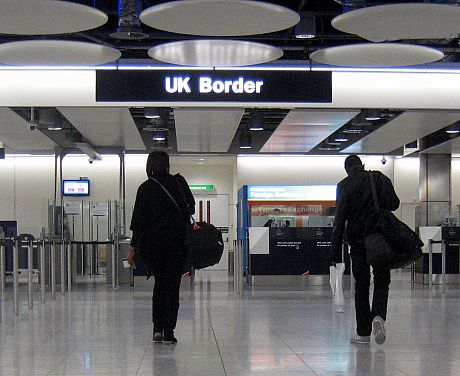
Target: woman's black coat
x=157, y=224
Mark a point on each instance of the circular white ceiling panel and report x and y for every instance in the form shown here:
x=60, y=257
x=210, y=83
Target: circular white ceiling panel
x=215, y=53
x=401, y=21
x=46, y=17
x=56, y=52
x=219, y=17
x=376, y=55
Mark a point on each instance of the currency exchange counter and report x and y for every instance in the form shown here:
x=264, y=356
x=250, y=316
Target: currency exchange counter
x=290, y=255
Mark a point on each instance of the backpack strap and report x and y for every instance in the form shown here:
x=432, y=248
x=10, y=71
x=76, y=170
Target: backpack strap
x=169, y=194
x=374, y=192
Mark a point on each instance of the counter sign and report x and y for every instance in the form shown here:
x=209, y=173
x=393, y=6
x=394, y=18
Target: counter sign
x=213, y=86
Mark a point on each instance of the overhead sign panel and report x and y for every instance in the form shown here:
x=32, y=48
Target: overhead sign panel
x=291, y=192
x=213, y=86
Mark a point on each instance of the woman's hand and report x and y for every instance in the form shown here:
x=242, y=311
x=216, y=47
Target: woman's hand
x=131, y=254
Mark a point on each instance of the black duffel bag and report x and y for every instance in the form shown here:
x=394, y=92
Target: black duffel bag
x=204, y=244
x=203, y=241
x=392, y=244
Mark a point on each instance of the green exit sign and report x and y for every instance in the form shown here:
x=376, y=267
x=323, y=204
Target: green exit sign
x=202, y=187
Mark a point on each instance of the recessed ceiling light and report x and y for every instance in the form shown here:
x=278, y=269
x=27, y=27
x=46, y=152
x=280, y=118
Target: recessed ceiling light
x=154, y=128
x=355, y=130
x=306, y=28
x=329, y=148
x=341, y=138
x=452, y=131
x=151, y=113
x=159, y=136
x=256, y=129
x=55, y=128
x=245, y=141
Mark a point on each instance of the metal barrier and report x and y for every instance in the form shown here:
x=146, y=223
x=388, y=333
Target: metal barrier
x=53, y=269
x=2, y=278
x=42, y=272
x=48, y=252
x=443, y=262
x=16, y=277
x=238, y=273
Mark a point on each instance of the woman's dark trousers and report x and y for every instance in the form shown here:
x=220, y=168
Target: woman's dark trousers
x=167, y=270
x=361, y=271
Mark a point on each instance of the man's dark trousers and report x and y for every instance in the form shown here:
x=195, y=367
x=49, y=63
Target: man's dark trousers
x=362, y=274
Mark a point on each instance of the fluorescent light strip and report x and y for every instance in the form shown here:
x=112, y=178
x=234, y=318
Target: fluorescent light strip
x=29, y=155
x=384, y=70
x=154, y=67
x=287, y=68
x=55, y=67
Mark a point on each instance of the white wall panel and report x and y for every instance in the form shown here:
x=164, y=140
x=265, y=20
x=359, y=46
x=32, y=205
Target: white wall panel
x=104, y=175
x=7, y=189
x=455, y=181
x=42, y=88
x=406, y=179
x=300, y=170
x=33, y=186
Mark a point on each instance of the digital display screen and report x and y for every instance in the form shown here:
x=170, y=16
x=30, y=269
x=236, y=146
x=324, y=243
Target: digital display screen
x=75, y=187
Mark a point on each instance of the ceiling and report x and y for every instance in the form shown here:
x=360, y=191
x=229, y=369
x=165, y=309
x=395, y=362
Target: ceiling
x=219, y=130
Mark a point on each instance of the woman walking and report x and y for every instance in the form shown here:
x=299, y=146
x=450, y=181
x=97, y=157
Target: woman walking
x=161, y=213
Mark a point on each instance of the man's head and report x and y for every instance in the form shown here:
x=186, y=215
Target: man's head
x=352, y=161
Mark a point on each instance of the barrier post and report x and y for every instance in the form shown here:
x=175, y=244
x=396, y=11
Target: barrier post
x=238, y=268
x=2, y=269
x=53, y=270
x=459, y=261
x=30, y=270
x=235, y=267
x=114, y=280
x=2, y=281
x=443, y=265
x=63, y=267
x=15, y=277
x=430, y=262
x=69, y=267
x=42, y=271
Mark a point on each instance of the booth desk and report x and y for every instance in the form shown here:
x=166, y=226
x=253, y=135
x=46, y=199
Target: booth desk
x=445, y=238
x=289, y=255
x=286, y=233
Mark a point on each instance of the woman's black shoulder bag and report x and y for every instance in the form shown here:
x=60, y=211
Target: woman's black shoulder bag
x=203, y=241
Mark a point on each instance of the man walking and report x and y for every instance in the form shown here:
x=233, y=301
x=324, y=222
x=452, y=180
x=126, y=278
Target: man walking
x=355, y=209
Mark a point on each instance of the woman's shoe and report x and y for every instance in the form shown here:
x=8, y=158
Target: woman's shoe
x=169, y=339
x=157, y=337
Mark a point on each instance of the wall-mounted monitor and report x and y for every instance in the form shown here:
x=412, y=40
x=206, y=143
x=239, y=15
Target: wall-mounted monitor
x=75, y=187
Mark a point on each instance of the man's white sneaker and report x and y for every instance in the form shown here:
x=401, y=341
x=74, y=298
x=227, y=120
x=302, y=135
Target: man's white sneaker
x=378, y=327
x=360, y=340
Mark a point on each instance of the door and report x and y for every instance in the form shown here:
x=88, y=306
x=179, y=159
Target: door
x=213, y=208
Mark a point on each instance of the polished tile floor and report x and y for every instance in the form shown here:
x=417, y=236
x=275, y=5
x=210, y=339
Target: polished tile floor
x=271, y=331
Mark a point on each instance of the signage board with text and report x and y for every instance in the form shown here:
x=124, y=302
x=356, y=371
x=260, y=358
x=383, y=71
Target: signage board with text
x=213, y=86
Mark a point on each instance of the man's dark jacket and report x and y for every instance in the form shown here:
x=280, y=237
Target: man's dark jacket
x=355, y=207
